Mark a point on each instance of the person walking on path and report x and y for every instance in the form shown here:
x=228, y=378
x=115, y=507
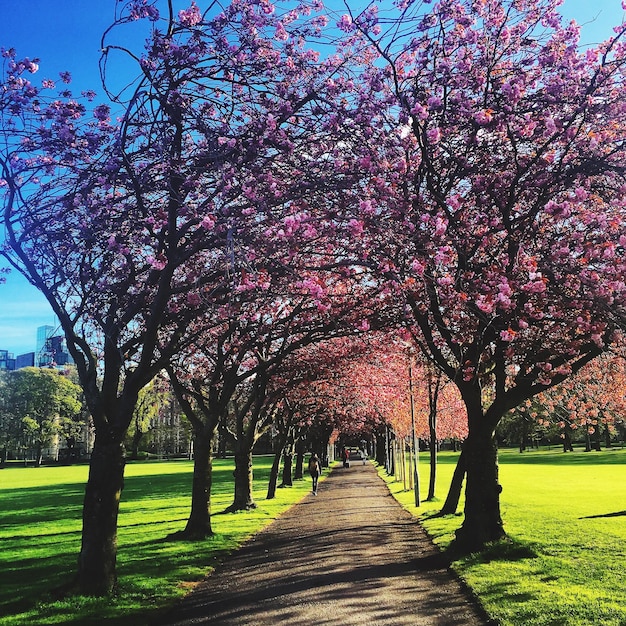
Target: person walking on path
x=315, y=469
x=351, y=555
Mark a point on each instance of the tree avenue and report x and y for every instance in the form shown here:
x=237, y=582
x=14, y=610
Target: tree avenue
x=277, y=177
x=132, y=231
x=505, y=201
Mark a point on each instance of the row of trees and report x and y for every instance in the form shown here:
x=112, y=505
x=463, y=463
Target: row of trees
x=278, y=180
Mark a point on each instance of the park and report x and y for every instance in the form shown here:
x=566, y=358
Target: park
x=562, y=564
x=278, y=230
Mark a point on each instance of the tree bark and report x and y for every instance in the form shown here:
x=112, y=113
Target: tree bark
x=483, y=522
x=287, y=465
x=96, y=561
x=199, y=522
x=456, y=485
x=298, y=472
x=279, y=446
x=243, y=499
x=273, y=481
x=432, y=482
x=567, y=440
x=523, y=441
x=607, y=436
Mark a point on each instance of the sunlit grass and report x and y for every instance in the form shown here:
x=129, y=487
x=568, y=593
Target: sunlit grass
x=565, y=516
x=40, y=532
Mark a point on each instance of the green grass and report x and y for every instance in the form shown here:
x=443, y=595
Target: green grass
x=40, y=531
x=565, y=558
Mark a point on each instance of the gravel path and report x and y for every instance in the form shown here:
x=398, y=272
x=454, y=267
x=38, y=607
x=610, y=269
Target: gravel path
x=350, y=555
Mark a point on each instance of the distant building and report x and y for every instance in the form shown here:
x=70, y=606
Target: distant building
x=7, y=362
x=51, y=348
x=25, y=360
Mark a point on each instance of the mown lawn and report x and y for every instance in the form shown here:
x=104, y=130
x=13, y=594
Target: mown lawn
x=565, y=514
x=40, y=524
x=563, y=564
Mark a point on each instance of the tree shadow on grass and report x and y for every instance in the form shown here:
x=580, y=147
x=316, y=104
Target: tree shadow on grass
x=616, y=514
x=507, y=549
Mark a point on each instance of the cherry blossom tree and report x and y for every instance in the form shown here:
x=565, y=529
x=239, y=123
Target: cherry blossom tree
x=133, y=229
x=591, y=403
x=502, y=216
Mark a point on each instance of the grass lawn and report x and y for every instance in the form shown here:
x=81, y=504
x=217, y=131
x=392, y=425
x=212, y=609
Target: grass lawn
x=565, y=514
x=40, y=531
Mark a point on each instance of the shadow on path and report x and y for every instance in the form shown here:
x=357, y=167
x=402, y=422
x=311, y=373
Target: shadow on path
x=349, y=555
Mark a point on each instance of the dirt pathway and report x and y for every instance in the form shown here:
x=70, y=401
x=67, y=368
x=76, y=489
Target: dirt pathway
x=350, y=555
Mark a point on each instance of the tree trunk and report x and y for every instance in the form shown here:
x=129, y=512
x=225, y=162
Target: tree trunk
x=287, y=465
x=597, y=438
x=389, y=453
x=243, y=500
x=271, y=487
x=432, y=482
x=482, y=522
x=199, y=522
x=523, y=440
x=96, y=561
x=456, y=485
x=298, y=472
x=567, y=440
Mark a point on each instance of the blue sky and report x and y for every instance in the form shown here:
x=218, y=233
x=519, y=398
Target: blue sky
x=65, y=35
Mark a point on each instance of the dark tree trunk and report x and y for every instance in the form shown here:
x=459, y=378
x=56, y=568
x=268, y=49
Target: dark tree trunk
x=199, y=522
x=279, y=446
x=243, y=499
x=597, y=438
x=298, y=472
x=390, y=457
x=221, y=443
x=607, y=436
x=432, y=482
x=567, y=440
x=379, y=452
x=96, y=561
x=523, y=440
x=287, y=465
x=271, y=486
x=456, y=485
x=482, y=522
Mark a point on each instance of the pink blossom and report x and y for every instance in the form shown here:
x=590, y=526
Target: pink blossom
x=441, y=226
x=435, y=103
x=485, y=303
x=158, y=263
x=345, y=23
x=280, y=34
x=193, y=299
x=507, y=335
x=434, y=135
x=419, y=112
x=355, y=227
x=190, y=16
x=418, y=267
x=208, y=222
x=483, y=118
